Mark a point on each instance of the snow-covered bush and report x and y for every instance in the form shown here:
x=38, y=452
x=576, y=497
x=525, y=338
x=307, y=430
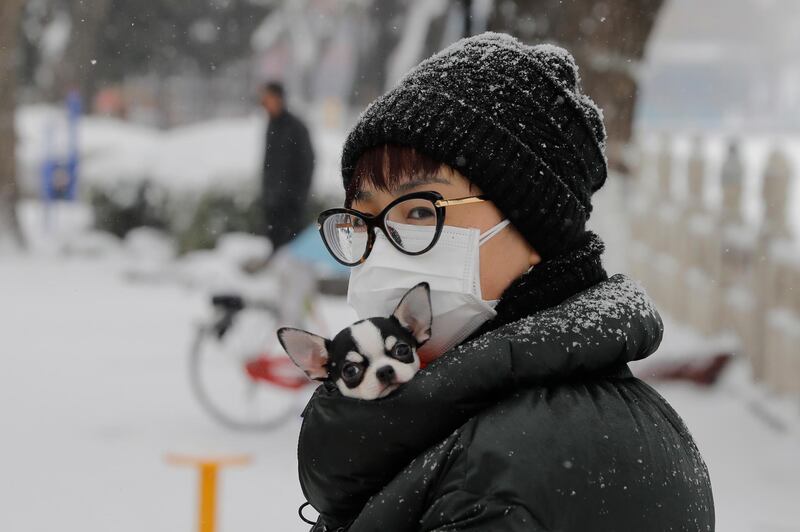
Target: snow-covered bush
x=215, y=214
x=124, y=207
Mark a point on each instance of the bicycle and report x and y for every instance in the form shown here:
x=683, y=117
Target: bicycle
x=238, y=371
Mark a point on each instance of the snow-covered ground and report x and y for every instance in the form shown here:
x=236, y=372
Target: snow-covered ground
x=753, y=458
x=94, y=391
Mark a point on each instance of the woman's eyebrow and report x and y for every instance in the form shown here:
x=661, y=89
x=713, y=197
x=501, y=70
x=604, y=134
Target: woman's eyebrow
x=365, y=195
x=362, y=195
x=408, y=185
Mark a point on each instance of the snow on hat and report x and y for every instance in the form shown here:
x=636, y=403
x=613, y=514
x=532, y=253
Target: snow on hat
x=512, y=119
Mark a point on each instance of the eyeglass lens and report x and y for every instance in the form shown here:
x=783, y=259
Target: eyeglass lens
x=410, y=224
x=346, y=236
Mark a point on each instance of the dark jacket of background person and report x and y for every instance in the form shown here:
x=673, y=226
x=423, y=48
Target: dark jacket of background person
x=286, y=178
x=536, y=424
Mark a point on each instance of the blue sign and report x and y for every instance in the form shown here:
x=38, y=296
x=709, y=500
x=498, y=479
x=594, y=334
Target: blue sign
x=60, y=173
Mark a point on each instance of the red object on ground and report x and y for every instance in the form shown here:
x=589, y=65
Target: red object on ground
x=277, y=370
x=703, y=373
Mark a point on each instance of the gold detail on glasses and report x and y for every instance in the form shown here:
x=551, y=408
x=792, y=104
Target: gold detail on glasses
x=459, y=201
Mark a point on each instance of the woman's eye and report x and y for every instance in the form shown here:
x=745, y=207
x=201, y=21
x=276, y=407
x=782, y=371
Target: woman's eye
x=403, y=353
x=351, y=371
x=420, y=213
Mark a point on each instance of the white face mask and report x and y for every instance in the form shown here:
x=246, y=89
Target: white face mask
x=451, y=269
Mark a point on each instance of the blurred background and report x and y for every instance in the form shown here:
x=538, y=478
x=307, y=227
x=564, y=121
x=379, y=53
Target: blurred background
x=142, y=282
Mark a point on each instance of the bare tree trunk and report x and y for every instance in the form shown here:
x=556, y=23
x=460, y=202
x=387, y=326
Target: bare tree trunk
x=379, y=34
x=79, y=69
x=608, y=41
x=383, y=28
x=467, y=17
x=10, y=11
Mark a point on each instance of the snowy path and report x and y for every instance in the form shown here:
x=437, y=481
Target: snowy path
x=755, y=468
x=93, y=392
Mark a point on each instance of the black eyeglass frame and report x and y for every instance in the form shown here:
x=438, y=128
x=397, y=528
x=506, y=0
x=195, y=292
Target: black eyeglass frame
x=378, y=221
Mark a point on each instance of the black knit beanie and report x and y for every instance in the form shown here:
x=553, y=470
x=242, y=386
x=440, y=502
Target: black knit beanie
x=512, y=119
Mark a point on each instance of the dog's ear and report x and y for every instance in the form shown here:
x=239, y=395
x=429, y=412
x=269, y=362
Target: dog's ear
x=307, y=350
x=414, y=312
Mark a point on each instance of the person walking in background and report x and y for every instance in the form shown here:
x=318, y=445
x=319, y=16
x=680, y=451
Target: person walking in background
x=288, y=168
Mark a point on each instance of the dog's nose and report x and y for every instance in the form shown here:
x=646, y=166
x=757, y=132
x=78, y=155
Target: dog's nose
x=386, y=375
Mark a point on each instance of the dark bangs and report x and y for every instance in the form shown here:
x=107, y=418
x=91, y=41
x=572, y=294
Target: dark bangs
x=384, y=167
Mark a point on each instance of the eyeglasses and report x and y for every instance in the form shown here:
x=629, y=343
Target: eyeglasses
x=412, y=223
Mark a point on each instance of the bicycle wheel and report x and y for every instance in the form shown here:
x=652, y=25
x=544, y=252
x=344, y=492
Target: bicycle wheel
x=223, y=386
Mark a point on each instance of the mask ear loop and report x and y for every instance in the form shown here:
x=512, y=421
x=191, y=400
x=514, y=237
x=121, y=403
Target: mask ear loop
x=493, y=231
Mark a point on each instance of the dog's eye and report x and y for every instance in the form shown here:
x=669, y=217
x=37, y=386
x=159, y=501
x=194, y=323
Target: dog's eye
x=351, y=371
x=403, y=353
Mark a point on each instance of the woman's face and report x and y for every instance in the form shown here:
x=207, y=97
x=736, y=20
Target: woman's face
x=503, y=258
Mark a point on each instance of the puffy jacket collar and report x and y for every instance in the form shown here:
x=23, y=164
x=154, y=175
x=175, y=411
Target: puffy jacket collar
x=349, y=449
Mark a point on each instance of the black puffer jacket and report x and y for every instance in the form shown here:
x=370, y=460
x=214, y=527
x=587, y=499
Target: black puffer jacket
x=537, y=425
x=286, y=178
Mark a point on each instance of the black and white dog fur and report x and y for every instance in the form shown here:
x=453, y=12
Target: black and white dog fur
x=372, y=357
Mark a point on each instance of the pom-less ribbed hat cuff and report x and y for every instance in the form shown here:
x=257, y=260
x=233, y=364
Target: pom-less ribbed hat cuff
x=538, y=203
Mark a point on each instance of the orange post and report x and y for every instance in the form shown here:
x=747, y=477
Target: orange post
x=208, y=468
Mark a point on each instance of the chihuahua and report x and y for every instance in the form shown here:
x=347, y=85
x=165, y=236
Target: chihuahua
x=372, y=357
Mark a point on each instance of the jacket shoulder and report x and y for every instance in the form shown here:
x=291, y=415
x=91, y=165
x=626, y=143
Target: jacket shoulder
x=296, y=123
x=601, y=454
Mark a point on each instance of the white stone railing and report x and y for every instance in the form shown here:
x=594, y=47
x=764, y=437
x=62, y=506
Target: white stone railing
x=711, y=267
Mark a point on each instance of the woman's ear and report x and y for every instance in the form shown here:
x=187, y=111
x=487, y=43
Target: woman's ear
x=534, y=258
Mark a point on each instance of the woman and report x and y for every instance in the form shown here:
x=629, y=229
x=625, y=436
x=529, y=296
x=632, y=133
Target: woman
x=533, y=421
